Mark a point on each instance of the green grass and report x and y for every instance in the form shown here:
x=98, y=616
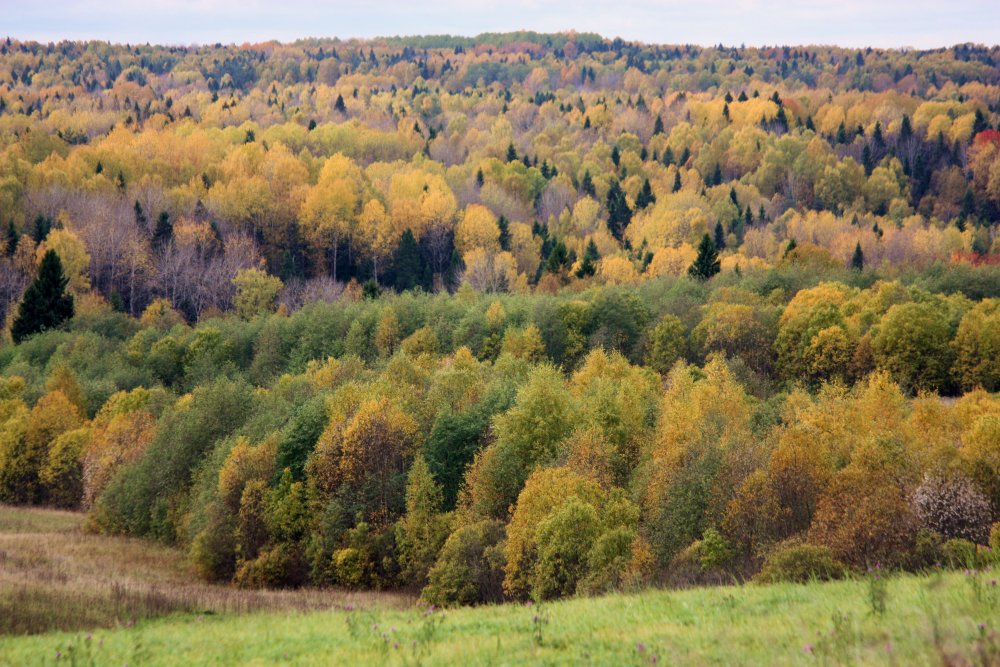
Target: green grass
x=929, y=620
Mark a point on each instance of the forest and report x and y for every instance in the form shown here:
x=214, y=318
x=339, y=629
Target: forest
x=519, y=316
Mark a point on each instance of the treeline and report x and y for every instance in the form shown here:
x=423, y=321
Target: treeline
x=479, y=447
x=511, y=162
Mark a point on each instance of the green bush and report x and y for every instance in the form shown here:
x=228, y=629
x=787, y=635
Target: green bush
x=800, y=563
x=958, y=553
x=469, y=568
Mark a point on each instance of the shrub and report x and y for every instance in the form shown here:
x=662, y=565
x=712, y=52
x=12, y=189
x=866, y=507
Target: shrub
x=958, y=553
x=800, y=563
x=995, y=538
x=954, y=508
x=469, y=568
x=275, y=567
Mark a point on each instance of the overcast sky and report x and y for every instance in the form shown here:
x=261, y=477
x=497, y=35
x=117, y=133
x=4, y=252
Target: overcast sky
x=918, y=23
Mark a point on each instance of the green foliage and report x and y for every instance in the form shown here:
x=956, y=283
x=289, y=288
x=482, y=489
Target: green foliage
x=800, y=563
x=706, y=264
x=46, y=304
x=469, y=568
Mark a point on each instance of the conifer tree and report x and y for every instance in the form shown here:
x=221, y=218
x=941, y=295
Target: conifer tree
x=408, y=265
x=720, y=236
x=588, y=266
x=706, y=264
x=587, y=185
x=46, y=304
x=858, y=259
x=11, y=238
x=164, y=230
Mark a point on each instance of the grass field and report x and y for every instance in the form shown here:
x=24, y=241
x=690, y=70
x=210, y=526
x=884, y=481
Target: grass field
x=939, y=619
x=54, y=576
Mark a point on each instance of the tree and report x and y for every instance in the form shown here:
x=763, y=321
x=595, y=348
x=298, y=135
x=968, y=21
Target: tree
x=256, y=292
x=422, y=532
x=408, y=265
x=619, y=213
x=858, y=258
x=588, y=265
x=46, y=304
x=707, y=263
x=645, y=196
x=720, y=236
x=163, y=233
x=12, y=238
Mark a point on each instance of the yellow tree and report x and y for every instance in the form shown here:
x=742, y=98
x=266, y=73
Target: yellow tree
x=331, y=207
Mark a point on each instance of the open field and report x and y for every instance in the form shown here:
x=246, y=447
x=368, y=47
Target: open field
x=53, y=576
x=928, y=621
x=56, y=577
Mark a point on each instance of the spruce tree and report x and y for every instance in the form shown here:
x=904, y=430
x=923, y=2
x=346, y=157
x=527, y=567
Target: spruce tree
x=339, y=104
x=163, y=232
x=587, y=185
x=619, y=213
x=658, y=126
x=11, y=238
x=46, y=304
x=720, y=236
x=558, y=258
x=706, y=264
x=408, y=264
x=645, y=196
x=511, y=152
x=504, y=227
x=858, y=259
x=588, y=266
x=677, y=181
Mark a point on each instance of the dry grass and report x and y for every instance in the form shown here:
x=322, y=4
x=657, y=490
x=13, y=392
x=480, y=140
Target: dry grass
x=53, y=576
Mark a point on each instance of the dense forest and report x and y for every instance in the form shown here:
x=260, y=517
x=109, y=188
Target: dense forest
x=502, y=317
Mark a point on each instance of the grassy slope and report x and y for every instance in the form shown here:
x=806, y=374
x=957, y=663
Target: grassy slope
x=784, y=624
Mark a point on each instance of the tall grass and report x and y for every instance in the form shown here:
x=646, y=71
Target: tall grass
x=54, y=576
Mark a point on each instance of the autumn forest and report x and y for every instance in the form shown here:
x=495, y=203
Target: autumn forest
x=519, y=316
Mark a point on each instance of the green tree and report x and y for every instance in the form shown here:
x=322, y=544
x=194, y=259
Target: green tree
x=46, y=303
x=423, y=530
x=706, y=264
x=588, y=266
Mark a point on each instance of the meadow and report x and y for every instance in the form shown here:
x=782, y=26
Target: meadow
x=941, y=618
x=54, y=576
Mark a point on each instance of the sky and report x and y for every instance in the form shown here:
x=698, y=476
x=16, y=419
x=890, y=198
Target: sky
x=853, y=23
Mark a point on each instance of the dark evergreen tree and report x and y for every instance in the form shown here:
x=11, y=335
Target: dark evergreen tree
x=163, y=233
x=480, y=179
x=11, y=238
x=792, y=245
x=905, y=129
x=504, y=227
x=46, y=304
x=511, y=152
x=140, y=215
x=339, y=104
x=41, y=228
x=408, y=265
x=616, y=156
x=645, y=196
x=558, y=258
x=720, y=236
x=658, y=126
x=587, y=185
x=619, y=213
x=588, y=265
x=677, y=181
x=858, y=258
x=706, y=264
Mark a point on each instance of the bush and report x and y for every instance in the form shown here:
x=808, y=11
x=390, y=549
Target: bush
x=800, y=563
x=954, y=508
x=995, y=539
x=470, y=567
x=275, y=567
x=958, y=553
